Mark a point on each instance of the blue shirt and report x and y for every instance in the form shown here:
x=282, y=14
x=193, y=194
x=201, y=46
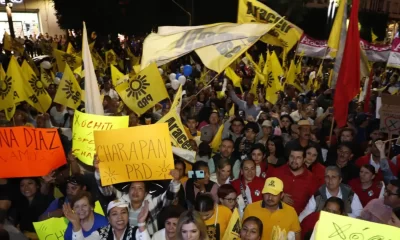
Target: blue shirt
x=53, y=206
x=99, y=222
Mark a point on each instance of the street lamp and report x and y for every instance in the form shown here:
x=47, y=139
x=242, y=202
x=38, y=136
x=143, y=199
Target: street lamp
x=183, y=9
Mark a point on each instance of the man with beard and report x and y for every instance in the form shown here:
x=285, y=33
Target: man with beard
x=300, y=183
x=225, y=152
x=303, y=141
x=272, y=211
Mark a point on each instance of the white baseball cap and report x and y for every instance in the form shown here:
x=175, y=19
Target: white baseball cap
x=116, y=203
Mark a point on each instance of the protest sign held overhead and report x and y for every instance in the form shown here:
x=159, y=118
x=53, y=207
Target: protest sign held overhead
x=29, y=152
x=140, y=153
x=82, y=136
x=51, y=229
x=390, y=114
x=143, y=90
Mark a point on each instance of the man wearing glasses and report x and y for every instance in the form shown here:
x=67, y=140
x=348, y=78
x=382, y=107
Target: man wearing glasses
x=380, y=210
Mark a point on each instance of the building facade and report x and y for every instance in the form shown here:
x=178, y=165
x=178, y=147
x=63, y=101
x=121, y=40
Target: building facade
x=30, y=17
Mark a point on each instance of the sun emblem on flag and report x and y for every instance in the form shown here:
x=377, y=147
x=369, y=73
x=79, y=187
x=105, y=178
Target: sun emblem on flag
x=69, y=59
x=137, y=87
x=68, y=89
x=5, y=87
x=37, y=86
x=47, y=77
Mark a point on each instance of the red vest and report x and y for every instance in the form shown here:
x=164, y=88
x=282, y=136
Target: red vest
x=255, y=186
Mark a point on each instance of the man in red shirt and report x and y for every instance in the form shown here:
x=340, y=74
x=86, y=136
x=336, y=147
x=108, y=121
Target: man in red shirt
x=299, y=182
x=376, y=158
x=248, y=184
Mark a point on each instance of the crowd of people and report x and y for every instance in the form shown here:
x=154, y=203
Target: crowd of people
x=279, y=165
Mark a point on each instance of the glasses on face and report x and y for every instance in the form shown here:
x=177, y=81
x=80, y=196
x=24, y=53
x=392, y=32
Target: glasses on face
x=230, y=200
x=389, y=193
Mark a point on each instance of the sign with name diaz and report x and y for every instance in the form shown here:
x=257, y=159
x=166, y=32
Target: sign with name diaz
x=29, y=152
x=139, y=153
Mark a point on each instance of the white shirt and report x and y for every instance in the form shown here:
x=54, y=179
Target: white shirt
x=356, y=206
x=96, y=236
x=160, y=235
x=377, y=166
x=59, y=116
x=112, y=93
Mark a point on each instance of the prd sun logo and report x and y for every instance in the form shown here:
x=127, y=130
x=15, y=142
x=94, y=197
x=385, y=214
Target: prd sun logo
x=5, y=87
x=47, y=77
x=137, y=87
x=37, y=86
x=68, y=58
x=70, y=92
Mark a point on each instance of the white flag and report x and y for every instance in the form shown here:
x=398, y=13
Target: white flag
x=93, y=105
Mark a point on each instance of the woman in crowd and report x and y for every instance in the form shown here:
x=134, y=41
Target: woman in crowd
x=275, y=151
x=83, y=206
x=227, y=196
x=311, y=161
x=223, y=174
x=119, y=228
x=252, y=229
x=285, y=122
x=258, y=154
x=365, y=186
x=169, y=217
x=395, y=220
x=31, y=205
x=333, y=205
x=216, y=217
x=267, y=131
x=194, y=186
x=191, y=227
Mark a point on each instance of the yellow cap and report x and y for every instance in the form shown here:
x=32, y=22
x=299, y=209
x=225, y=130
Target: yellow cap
x=273, y=186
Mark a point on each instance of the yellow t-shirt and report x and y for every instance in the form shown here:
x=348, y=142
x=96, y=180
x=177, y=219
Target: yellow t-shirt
x=285, y=217
x=224, y=215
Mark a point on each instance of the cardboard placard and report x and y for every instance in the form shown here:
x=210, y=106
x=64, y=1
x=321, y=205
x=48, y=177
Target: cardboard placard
x=390, y=114
x=139, y=153
x=29, y=152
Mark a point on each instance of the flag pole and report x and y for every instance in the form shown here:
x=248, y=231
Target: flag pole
x=331, y=131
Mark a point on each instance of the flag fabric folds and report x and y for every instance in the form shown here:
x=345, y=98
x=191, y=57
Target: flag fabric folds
x=6, y=90
x=63, y=58
x=348, y=84
x=69, y=92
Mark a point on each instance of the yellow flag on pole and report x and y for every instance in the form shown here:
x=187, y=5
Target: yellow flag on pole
x=143, y=90
x=273, y=85
x=116, y=75
x=232, y=111
x=71, y=49
x=216, y=142
x=234, y=226
x=63, y=58
x=291, y=77
x=276, y=65
x=40, y=98
x=21, y=93
x=334, y=37
x=237, y=81
x=69, y=93
x=11, y=44
x=6, y=90
x=47, y=77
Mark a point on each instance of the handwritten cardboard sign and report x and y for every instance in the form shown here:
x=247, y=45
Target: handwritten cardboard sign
x=51, y=229
x=29, y=152
x=82, y=132
x=333, y=226
x=134, y=154
x=390, y=114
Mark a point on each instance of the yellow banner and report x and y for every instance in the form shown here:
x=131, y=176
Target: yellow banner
x=233, y=230
x=284, y=34
x=144, y=90
x=69, y=93
x=173, y=42
x=139, y=153
x=82, y=133
x=334, y=226
x=51, y=229
x=176, y=130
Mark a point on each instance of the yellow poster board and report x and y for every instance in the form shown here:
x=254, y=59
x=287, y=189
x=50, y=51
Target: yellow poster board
x=333, y=226
x=82, y=132
x=139, y=153
x=51, y=229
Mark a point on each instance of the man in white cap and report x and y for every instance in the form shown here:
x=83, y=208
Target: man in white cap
x=119, y=228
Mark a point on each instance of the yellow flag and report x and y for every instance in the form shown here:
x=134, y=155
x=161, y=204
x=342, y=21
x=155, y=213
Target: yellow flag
x=232, y=111
x=144, y=90
x=284, y=34
x=69, y=92
x=276, y=65
x=21, y=93
x=291, y=77
x=47, y=77
x=237, y=81
x=253, y=88
x=330, y=78
x=32, y=64
x=11, y=44
x=273, y=85
x=176, y=104
x=374, y=37
x=334, y=37
x=6, y=90
x=63, y=58
x=111, y=58
x=71, y=49
x=79, y=71
x=216, y=142
x=251, y=60
x=116, y=75
x=234, y=226
x=98, y=62
x=40, y=98
x=10, y=112
x=134, y=60
x=136, y=68
x=261, y=62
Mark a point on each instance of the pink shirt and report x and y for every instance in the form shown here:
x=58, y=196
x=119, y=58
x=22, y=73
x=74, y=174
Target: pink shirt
x=376, y=211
